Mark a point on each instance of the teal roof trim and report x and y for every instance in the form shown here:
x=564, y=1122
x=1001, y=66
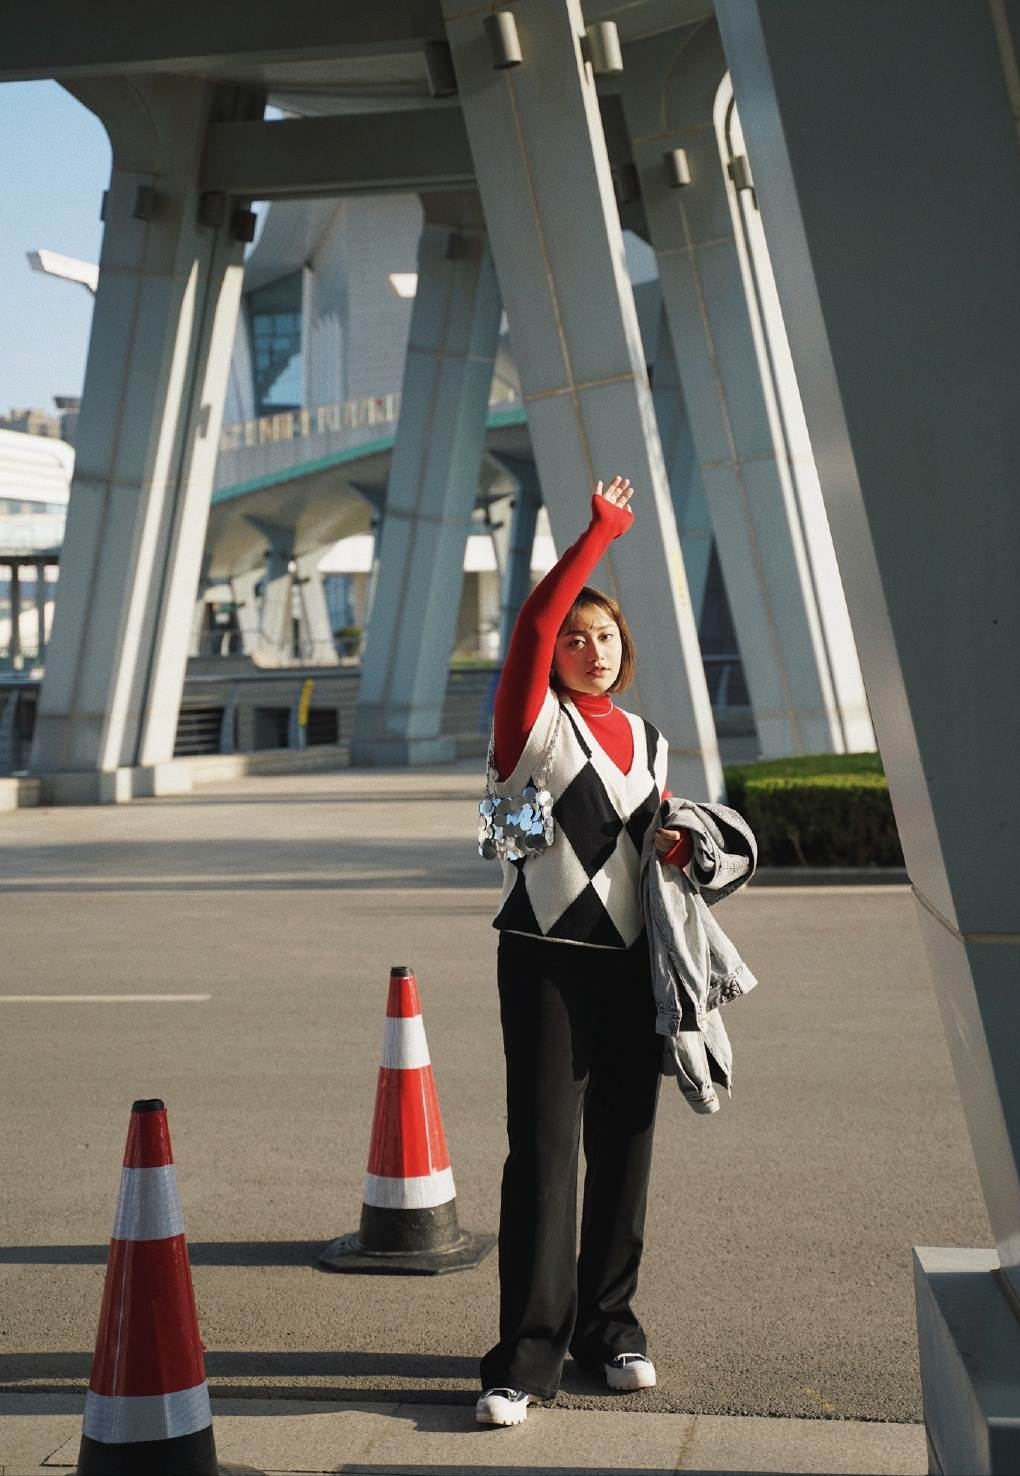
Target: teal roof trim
x=494, y=420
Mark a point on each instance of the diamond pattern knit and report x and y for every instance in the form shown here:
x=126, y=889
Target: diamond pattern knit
x=584, y=888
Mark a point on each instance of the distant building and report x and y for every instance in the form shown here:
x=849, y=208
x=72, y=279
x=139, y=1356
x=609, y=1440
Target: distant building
x=32, y=422
x=70, y=408
x=63, y=426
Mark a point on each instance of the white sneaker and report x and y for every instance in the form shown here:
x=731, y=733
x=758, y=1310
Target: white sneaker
x=502, y=1407
x=630, y=1371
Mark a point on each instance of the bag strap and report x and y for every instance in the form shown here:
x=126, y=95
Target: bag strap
x=545, y=763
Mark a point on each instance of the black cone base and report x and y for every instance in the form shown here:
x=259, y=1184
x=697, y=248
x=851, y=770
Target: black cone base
x=348, y=1254
x=407, y=1242
x=182, y=1455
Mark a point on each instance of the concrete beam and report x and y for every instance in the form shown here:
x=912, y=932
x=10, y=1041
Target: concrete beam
x=420, y=149
x=339, y=154
x=108, y=36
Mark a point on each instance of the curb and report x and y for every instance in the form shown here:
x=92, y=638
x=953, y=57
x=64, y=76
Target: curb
x=830, y=876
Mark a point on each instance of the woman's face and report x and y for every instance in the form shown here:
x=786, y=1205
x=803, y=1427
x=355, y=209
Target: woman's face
x=588, y=651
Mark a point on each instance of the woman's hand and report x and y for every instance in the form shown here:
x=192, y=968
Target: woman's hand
x=609, y=505
x=665, y=840
x=619, y=491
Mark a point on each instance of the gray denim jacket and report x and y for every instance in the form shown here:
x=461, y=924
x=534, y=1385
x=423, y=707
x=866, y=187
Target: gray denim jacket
x=695, y=967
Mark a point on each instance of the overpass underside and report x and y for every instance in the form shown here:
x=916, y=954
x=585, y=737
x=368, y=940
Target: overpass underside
x=880, y=148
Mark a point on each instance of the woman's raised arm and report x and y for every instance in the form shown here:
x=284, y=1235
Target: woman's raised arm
x=525, y=679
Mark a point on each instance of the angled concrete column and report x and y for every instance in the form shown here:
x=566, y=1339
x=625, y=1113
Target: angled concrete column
x=40, y=611
x=150, y=420
x=274, y=645
x=902, y=302
x=15, y=598
x=543, y=172
x=432, y=488
x=686, y=487
x=244, y=588
x=315, y=628
x=802, y=672
x=198, y=609
x=516, y=545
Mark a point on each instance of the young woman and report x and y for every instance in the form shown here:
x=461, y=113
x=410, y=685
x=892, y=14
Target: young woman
x=574, y=986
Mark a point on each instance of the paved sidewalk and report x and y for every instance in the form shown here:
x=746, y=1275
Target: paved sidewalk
x=229, y=952
x=39, y=1433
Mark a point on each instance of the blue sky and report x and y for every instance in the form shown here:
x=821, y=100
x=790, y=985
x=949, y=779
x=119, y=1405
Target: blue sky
x=56, y=164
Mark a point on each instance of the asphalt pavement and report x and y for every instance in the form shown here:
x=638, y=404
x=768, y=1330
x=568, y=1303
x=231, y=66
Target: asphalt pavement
x=776, y=1280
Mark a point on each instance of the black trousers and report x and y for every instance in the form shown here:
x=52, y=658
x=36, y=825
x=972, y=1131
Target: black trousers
x=580, y=1044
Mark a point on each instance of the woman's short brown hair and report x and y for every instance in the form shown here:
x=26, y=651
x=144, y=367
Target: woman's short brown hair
x=593, y=599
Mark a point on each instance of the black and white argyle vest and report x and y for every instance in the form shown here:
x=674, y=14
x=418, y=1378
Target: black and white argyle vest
x=584, y=888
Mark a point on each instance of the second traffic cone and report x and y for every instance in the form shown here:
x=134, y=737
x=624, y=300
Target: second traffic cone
x=409, y=1210
x=147, y=1407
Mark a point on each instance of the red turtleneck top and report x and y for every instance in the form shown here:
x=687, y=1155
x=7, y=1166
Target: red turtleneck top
x=525, y=679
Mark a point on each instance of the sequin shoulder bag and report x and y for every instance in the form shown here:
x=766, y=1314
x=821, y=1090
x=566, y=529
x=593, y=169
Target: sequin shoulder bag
x=511, y=828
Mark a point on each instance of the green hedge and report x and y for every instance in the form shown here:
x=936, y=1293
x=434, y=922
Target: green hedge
x=817, y=810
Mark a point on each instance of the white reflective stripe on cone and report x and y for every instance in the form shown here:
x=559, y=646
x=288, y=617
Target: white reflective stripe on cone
x=406, y=1194
x=404, y=1045
x=149, y=1207
x=124, y=1420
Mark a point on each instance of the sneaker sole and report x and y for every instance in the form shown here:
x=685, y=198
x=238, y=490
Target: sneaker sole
x=491, y=1419
x=628, y=1380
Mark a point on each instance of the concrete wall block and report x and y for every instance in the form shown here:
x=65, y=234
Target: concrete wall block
x=101, y=422
x=386, y=623
x=749, y=592
x=156, y=374
x=556, y=425
x=698, y=370
x=977, y=997
x=728, y=322
x=84, y=531
x=786, y=580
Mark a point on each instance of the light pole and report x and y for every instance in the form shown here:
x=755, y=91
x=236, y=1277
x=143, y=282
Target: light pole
x=52, y=264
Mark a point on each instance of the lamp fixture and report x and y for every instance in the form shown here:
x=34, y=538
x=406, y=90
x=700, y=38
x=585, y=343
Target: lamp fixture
x=53, y=264
x=439, y=67
x=600, y=47
x=678, y=168
x=740, y=172
x=404, y=284
x=501, y=29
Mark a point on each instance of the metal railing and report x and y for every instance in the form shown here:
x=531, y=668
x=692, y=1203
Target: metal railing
x=290, y=707
x=349, y=415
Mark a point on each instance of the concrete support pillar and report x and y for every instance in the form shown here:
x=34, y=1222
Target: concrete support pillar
x=198, y=610
x=15, y=587
x=315, y=630
x=274, y=645
x=802, y=672
x=40, y=611
x=432, y=487
x=516, y=544
x=543, y=172
x=686, y=487
x=902, y=302
x=157, y=367
x=244, y=588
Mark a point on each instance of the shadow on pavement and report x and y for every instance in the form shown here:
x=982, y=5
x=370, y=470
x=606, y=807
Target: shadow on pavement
x=200, y=1253
x=329, y=797
x=411, y=1377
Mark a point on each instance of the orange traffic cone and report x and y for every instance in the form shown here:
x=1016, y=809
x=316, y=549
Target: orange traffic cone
x=147, y=1407
x=409, y=1211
